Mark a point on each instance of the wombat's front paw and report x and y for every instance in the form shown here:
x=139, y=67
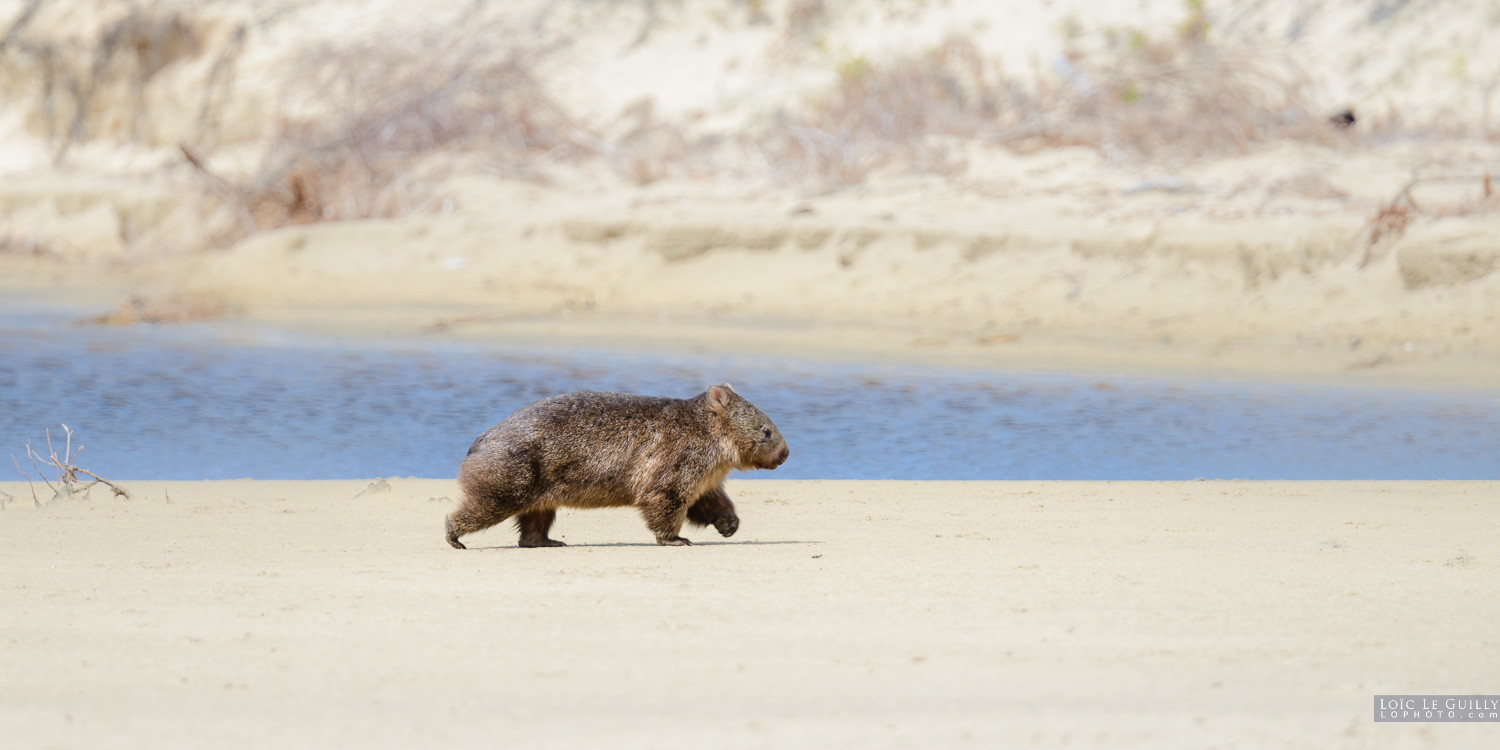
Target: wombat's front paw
x=727, y=525
x=673, y=541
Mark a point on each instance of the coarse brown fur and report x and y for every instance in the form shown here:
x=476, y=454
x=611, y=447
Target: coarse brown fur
x=666, y=456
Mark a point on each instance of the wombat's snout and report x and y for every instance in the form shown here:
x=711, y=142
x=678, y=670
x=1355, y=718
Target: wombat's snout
x=782, y=456
x=772, y=457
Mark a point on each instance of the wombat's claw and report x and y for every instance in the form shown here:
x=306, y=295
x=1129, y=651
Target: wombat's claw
x=673, y=541
x=451, y=534
x=542, y=543
x=727, y=526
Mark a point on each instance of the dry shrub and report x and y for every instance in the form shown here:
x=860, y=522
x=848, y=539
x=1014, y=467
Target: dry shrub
x=643, y=148
x=878, y=115
x=1137, y=99
x=79, y=85
x=1171, y=98
x=805, y=19
x=1389, y=221
x=369, y=126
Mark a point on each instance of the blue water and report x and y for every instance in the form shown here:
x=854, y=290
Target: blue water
x=179, y=403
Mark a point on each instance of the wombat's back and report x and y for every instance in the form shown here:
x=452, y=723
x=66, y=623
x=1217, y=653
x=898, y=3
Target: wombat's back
x=586, y=448
x=586, y=420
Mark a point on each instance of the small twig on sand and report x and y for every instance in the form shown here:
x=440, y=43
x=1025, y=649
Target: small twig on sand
x=118, y=490
x=35, y=501
x=31, y=456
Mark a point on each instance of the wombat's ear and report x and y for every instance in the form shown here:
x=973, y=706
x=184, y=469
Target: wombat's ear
x=728, y=387
x=718, y=398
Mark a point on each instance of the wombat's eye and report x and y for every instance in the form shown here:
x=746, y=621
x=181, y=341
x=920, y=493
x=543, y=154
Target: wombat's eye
x=766, y=431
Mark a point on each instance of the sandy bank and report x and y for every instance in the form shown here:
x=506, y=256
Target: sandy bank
x=843, y=614
x=1033, y=285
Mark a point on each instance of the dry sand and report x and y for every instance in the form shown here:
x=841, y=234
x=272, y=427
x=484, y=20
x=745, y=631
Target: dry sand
x=844, y=614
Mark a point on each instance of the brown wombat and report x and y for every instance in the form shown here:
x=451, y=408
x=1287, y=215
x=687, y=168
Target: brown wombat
x=666, y=456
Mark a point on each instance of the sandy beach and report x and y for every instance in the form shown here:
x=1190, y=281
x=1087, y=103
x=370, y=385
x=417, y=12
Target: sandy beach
x=843, y=614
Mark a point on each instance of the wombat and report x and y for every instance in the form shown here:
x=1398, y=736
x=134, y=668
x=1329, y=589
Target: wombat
x=666, y=456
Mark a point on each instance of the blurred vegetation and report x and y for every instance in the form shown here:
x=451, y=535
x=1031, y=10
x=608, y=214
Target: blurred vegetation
x=1146, y=98
x=84, y=88
x=372, y=126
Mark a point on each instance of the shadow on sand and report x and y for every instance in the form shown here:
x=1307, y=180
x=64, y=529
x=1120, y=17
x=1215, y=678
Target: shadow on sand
x=640, y=544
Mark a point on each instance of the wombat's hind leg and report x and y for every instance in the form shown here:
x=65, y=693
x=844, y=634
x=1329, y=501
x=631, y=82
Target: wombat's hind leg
x=534, y=527
x=466, y=521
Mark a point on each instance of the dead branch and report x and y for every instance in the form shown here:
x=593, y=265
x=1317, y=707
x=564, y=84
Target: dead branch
x=68, y=483
x=220, y=80
x=31, y=456
x=118, y=490
x=221, y=189
x=23, y=18
x=1391, y=220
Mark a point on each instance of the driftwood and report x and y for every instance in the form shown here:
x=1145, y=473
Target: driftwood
x=67, y=482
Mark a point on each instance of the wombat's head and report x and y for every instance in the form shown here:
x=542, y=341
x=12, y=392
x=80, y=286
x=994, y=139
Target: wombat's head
x=757, y=442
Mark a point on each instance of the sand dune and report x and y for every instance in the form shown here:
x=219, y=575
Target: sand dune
x=870, y=614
